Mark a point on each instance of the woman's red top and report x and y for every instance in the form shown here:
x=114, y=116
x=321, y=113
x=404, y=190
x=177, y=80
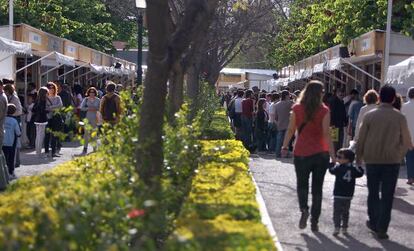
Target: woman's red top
x=311, y=140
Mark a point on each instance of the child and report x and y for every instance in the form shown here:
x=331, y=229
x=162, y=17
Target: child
x=12, y=132
x=344, y=189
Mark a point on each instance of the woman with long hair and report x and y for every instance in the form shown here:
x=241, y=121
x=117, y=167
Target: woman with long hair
x=90, y=105
x=55, y=120
x=40, y=118
x=310, y=119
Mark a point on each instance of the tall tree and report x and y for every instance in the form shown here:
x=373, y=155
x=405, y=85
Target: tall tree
x=315, y=25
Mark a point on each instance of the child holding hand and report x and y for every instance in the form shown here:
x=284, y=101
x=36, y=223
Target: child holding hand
x=345, y=173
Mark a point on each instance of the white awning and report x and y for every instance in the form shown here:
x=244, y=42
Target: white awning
x=99, y=69
x=66, y=60
x=334, y=64
x=53, y=59
x=15, y=47
x=318, y=68
x=402, y=72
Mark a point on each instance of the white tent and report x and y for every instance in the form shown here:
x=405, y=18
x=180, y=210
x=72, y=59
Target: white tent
x=15, y=47
x=401, y=75
x=9, y=48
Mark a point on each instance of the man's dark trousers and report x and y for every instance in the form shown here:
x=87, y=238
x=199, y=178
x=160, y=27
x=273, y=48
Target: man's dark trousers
x=382, y=178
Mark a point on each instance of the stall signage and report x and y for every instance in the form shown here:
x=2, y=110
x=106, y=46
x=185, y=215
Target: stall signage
x=71, y=49
x=35, y=38
x=366, y=44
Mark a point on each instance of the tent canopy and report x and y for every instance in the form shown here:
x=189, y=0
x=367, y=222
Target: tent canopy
x=401, y=75
x=15, y=47
x=401, y=72
x=54, y=58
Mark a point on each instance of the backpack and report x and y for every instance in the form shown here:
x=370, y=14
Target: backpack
x=109, y=110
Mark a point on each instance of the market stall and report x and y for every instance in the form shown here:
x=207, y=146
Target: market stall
x=401, y=76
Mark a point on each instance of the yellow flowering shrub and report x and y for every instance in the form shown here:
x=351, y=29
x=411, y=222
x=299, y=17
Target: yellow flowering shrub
x=221, y=212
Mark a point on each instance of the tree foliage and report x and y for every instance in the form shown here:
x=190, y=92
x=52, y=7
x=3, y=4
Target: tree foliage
x=87, y=22
x=315, y=25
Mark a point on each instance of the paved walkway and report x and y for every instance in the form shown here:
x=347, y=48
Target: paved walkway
x=277, y=183
x=33, y=165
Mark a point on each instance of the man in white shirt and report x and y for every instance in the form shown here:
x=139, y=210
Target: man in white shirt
x=408, y=111
x=237, y=113
x=272, y=122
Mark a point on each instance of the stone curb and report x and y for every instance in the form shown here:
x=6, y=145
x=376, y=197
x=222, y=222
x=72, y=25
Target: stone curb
x=265, y=216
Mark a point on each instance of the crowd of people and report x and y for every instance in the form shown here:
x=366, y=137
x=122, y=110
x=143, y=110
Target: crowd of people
x=346, y=135
x=44, y=115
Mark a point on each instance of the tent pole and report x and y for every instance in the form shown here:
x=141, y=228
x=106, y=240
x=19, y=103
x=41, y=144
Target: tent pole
x=32, y=63
x=361, y=70
x=25, y=81
x=73, y=70
x=86, y=73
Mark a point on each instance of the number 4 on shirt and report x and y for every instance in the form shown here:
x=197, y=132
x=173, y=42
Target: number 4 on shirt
x=347, y=176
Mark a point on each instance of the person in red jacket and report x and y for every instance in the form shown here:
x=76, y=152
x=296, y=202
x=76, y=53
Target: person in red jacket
x=247, y=119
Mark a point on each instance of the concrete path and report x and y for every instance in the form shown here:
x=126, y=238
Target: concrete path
x=33, y=165
x=277, y=183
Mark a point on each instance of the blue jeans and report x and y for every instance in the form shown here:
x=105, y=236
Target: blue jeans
x=247, y=131
x=279, y=142
x=409, y=159
x=381, y=179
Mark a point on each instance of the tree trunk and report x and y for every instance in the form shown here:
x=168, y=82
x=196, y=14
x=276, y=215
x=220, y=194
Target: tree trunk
x=213, y=76
x=193, y=82
x=176, y=91
x=150, y=156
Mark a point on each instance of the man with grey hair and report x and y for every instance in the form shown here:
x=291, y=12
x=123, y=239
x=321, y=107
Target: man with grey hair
x=408, y=111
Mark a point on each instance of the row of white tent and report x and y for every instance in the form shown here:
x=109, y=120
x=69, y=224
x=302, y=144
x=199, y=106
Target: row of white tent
x=401, y=75
x=15, y=47
x=326, y=67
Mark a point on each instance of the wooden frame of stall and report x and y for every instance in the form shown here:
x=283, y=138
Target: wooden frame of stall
x=44, y=43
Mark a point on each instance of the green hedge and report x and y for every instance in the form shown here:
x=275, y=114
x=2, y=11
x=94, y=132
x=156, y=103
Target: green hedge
x=219, y=127
x=79, y=204
x=221, y=212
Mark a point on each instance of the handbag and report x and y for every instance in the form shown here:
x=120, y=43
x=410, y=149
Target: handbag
x=335, y=134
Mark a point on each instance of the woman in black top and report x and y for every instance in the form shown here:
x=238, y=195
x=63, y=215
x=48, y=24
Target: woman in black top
x=261, y=125
x=40, y=118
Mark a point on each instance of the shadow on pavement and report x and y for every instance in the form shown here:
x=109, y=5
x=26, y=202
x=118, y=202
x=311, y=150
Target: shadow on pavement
x=32, y=160
x=403, y=206
x=392, y=245
x=293, y=189
x=323, y=242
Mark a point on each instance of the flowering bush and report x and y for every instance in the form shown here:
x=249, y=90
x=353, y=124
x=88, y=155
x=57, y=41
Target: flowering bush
x=221, y=212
